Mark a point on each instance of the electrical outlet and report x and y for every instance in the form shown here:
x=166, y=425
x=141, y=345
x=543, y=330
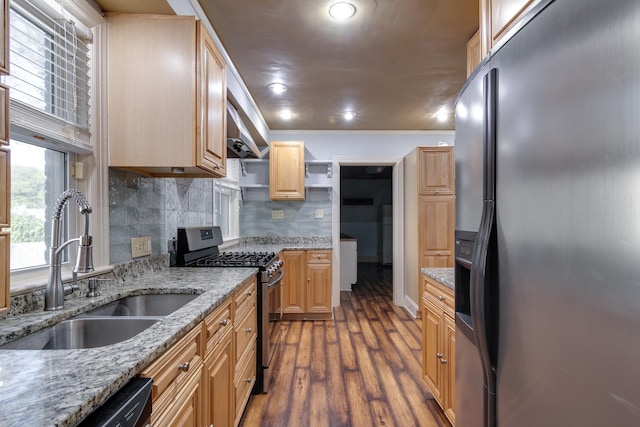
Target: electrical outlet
x=319, y=214
x=140, y=246
x=277, y=214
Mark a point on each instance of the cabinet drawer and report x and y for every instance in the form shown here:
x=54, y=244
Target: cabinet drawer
x=174, y=367
x=319, y=257
x=245, y=297
x=245, y=379
x=217, y=325
x=440, y=295
x=183, y=410
x=245, y=330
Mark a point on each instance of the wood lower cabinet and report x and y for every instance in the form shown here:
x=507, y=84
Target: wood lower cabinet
x=307, y=283
x=218, y=405
x=286, y=170
x=167, y=97
x=438, y=344
x=206, y=378
x=4, y=272
x=177, y=389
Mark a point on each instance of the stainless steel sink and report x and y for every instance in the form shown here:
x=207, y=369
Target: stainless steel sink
x=85, y=332
x=144, y=305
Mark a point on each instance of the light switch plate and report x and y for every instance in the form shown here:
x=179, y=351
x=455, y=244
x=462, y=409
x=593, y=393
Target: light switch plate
x=319, y=214
x=140, y=246
x=275, y=214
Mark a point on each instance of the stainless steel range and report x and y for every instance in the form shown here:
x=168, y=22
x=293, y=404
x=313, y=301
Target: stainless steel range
x=198, y=247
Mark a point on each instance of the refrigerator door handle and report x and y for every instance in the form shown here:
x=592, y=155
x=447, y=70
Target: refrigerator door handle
x=483, y=286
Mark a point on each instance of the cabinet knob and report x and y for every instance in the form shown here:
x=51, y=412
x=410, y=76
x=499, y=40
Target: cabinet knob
x=224, y=322
x=443, y=360
x=441, y=298
x=248, y=380
x=438, y=355
x=249, y=293
x=184, y=367
x=248, y=330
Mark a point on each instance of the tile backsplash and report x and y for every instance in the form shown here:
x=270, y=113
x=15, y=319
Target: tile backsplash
x=156, y=207
x=299, y=219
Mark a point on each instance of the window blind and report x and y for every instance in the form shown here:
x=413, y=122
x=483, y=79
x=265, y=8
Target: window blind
x=49, y=67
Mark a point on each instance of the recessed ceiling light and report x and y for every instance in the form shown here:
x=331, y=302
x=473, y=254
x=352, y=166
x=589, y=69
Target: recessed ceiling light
x=286, y=114
x=349, y=115
x=277, y=88
x=342, y=10
x=442, y=116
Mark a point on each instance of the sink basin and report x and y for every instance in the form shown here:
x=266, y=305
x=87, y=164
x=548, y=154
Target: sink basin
x=144, y=305
x=83, y=333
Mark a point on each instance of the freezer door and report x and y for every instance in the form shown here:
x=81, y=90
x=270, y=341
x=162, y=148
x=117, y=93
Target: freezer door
x=468, y=153
x=568, y=217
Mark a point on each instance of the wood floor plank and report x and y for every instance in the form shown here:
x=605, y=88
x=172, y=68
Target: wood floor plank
x=361, y=369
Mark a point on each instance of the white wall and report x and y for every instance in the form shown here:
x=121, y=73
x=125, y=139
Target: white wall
x=324, y=145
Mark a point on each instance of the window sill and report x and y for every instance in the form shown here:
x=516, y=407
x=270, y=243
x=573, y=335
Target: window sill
x=37, y=282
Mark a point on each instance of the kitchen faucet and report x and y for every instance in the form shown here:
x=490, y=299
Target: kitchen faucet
x=55, y=291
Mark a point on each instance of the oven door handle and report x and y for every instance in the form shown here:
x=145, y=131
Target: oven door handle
x=276, y=281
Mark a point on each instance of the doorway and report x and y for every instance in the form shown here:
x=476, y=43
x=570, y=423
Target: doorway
x=365, y=220
x=370, y=249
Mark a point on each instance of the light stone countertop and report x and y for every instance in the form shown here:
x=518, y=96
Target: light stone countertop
x=446, y=276
x=61, y=387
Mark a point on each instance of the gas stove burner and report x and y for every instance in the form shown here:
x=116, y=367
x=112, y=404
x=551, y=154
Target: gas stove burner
x=237, y=259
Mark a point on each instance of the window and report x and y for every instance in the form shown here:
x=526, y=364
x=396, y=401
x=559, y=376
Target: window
x=38, y=176
x=226, y=202
x=49, y=114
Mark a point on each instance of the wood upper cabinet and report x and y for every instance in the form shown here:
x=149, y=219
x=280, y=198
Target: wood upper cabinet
x=429, y=214
x=438, y=344
x=474, y=53
x=5, y=186
x=286, y=170
x=436, y=171
x=4, y=37
x=307, y=282
x=497, y=17
x=5, y=161
x=166, y=97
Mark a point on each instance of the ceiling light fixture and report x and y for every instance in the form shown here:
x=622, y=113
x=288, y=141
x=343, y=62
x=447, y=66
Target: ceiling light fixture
x=349, y=115
x=342, y=10
x=286, y=114
x=442, y=116
x=277, y=88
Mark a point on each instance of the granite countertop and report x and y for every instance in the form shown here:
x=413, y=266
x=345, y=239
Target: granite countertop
x=442, y=275
x=61, y=387
x=268, y=245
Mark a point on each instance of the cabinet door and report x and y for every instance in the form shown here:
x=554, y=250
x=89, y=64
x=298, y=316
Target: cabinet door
x=5, y=186
x=4, y=114
x=4, y=37
x=294, y=281
x=318, y=288
x=218, y=407
x=436, y=224
x=212, y=149
x=4, y=272
x=449, y=353
x=185, y=410
x=286, y=170
x=436, y=171
x=431, y=353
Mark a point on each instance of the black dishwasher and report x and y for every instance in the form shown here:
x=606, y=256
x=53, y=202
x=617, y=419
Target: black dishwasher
x=129, y=407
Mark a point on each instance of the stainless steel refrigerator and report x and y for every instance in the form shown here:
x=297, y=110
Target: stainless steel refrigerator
x=548, y=223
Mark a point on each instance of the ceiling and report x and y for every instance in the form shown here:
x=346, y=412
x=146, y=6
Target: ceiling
x=395, y=62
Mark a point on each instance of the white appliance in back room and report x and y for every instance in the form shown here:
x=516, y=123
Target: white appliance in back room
x=387, y=234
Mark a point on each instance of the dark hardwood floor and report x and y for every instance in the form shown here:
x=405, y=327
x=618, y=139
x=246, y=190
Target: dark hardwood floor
x=361, y=369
